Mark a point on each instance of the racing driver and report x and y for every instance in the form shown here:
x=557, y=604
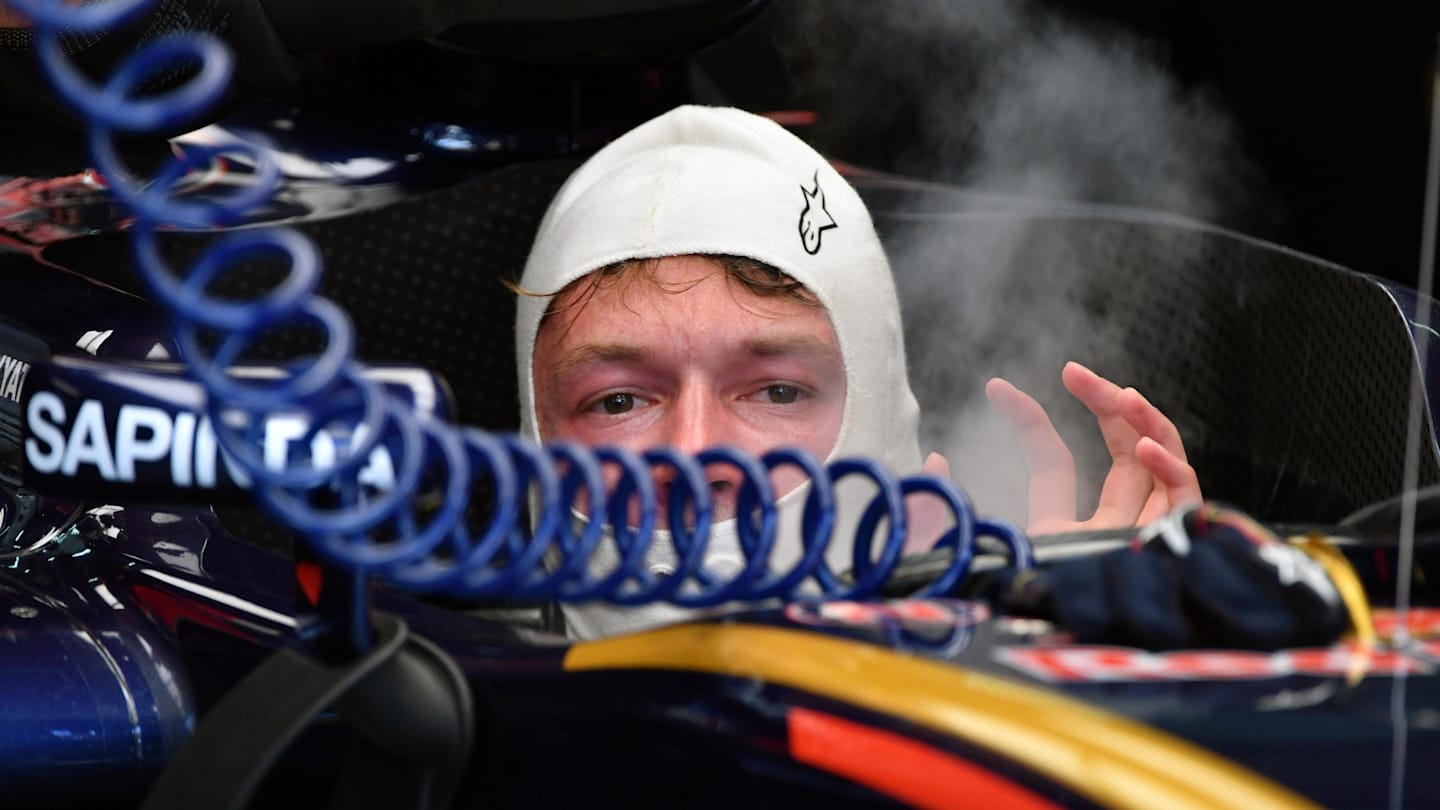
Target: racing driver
x=709, y=279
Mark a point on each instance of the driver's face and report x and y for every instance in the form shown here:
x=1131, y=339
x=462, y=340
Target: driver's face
x=702, y=363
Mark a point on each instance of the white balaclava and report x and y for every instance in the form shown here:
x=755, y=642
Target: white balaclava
x=706, y=180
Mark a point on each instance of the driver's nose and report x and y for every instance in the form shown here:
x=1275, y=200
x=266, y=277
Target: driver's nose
x=698, y=421
x=694, y=422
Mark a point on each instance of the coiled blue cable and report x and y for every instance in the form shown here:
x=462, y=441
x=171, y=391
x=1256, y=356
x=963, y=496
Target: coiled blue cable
x=377, y=531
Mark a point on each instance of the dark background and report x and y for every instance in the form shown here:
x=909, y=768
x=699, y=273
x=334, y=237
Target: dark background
x=1305, y=124
x=1328, y=103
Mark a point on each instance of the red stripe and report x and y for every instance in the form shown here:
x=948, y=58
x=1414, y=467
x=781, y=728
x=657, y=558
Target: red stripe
x=168, y=609
x=309, y=578
x=900, y=767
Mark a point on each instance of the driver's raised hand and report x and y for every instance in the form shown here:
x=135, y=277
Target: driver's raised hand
x=1149, y=473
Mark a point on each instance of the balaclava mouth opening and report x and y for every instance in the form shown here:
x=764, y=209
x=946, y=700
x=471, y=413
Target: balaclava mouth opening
x=706, y=180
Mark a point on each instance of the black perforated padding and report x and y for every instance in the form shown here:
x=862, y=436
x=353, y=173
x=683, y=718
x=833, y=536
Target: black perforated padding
x=422, y=280
x=1288, y=377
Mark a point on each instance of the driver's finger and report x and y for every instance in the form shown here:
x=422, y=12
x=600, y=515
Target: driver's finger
x=1148, y=420
x=1102, y=398
x=1128, y=485
x=1175, y=480
x=1052, y=467
x=1171, y=472
x=926, y=517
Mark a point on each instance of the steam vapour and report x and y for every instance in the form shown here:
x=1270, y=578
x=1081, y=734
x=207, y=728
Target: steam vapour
x=1025, y=111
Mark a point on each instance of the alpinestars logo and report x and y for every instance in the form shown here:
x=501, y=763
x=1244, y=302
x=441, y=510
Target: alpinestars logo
x=814, y=219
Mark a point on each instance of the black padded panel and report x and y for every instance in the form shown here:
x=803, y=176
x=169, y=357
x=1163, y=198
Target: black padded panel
x=1288, y=377
x=421, y=280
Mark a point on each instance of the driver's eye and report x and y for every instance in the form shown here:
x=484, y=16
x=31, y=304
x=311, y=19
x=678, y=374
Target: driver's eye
x=783, y=394
x=618, y=403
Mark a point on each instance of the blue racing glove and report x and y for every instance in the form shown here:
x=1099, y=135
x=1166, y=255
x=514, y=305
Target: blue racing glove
x=1203, y=576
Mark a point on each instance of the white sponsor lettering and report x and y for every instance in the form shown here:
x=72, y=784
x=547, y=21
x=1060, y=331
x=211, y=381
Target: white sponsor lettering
x=1293, y=565
x=283, y=434
x=148, y=431
x=45, y=413
x=12, y=377
x=88, y=442
x=151, y=441
x=91, y=341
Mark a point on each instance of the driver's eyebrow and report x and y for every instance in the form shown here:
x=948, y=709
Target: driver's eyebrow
x=804, y=345
x=598, y=353
x=797, y=345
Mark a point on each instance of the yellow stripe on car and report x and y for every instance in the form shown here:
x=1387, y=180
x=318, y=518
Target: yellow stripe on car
x=1112, y=760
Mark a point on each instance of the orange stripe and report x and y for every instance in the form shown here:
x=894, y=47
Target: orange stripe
x=902, y=768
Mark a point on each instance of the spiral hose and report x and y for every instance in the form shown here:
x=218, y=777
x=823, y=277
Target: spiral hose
x=417, y=532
